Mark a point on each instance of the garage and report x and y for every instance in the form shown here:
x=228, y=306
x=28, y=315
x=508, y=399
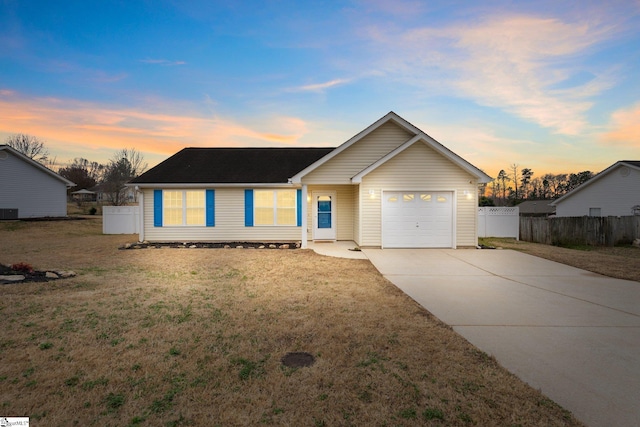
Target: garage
x=417, y=219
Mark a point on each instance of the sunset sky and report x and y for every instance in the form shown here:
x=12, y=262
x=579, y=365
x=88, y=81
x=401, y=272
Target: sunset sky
x=553, y=86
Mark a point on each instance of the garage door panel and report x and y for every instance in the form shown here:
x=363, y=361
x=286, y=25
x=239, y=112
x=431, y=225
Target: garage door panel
x=417, y=219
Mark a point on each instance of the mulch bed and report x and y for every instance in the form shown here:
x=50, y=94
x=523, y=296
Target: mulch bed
x=29, y=276
x=211, y=245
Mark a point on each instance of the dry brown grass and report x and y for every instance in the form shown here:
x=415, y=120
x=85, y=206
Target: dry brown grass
x=622, y=262
x=195, y=337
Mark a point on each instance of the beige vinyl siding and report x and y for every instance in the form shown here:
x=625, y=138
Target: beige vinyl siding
x=418, y=168
x=229, y=220
x=345, y=195
x=341, y=168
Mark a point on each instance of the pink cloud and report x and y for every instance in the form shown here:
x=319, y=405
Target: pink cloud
x=624, y=128
x=76, y=126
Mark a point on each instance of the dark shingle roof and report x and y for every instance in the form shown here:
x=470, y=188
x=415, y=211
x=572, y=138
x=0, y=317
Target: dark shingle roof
x=232, y=165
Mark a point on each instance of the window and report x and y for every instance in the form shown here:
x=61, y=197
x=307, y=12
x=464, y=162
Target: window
x=407, y=197
x=595, y=212
x=184, y=208
x=275, y=207
x=172, y=208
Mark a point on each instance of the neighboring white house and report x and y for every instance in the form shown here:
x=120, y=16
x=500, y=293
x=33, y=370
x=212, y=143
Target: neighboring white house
x=391, y=185
x=613, y=192
x=29, y=189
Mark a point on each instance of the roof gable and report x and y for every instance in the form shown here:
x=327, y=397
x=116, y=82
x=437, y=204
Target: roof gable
x=391, y=116
x=436, y=146
x=37, y=165
x=231, y=166
x=418, y=135
x=634, y=164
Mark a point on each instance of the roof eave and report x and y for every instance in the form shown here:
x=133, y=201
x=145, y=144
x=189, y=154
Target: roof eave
x=210, y=185
x=592, y=180
x=38, y=165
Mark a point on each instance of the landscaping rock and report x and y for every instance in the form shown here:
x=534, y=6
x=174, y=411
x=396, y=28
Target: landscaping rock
x=51, y=275
x=12, y=278
x=636, y=243
x=66, y=274
x=284, y=246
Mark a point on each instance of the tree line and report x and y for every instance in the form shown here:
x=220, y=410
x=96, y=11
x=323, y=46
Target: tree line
x=515, y=185
x=125, y=165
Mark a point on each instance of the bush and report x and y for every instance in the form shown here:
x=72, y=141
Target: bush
x=93, y=210
x=23, y=267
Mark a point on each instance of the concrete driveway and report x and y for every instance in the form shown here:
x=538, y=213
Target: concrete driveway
x=573, y=334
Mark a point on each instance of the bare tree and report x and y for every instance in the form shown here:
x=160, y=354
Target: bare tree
x=125, y=165
x=30, y=146
x=514, y=174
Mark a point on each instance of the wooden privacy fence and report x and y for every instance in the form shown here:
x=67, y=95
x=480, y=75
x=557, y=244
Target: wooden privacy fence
x=584, y=230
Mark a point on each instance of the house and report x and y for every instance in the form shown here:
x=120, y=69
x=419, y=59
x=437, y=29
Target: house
x=390, y=185
x=29, y=189
x=536, y=208
x=613, y=192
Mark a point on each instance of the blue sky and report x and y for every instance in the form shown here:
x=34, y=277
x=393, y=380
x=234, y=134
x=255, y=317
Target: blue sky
x=549, y=85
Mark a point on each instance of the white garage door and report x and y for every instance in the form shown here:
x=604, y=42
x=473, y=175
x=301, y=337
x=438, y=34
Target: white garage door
x=417, y=219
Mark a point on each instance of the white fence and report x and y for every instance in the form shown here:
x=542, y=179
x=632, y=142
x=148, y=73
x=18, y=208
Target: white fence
x=499, y=222
x=120, y=220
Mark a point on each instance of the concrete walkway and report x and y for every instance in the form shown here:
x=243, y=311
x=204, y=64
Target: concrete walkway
x=573, y=334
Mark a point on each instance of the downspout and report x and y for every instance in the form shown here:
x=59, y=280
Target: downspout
x=140, y=214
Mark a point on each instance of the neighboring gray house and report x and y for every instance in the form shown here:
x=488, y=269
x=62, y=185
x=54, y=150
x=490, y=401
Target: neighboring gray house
x=613, y=192
x=29, y=189
x=537, y=208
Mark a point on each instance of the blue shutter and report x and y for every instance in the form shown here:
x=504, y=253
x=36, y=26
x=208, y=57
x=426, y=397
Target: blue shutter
x=248, y=208
x=157, y=208
x=211, y=208
x=299, y=208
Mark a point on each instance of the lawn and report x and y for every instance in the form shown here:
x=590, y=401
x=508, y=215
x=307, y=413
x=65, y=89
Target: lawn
x=177, y=337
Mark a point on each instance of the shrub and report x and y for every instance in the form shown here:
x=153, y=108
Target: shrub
x=22, y=266
x=93, y=210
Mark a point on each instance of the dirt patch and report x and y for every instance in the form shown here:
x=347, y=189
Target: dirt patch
x=298, y=360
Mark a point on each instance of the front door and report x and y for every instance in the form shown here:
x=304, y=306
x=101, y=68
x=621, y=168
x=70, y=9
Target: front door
x=324, y=215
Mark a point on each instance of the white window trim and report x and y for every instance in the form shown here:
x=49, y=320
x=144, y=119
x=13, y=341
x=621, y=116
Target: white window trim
x=184, y=209
x=275, y=208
